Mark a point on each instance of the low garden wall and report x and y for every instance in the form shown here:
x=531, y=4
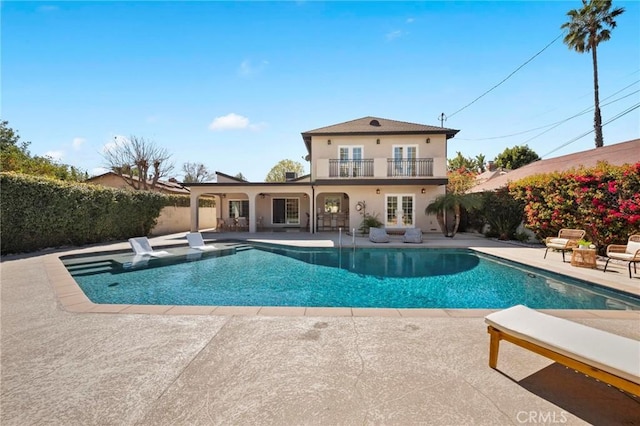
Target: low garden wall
x=178, y=219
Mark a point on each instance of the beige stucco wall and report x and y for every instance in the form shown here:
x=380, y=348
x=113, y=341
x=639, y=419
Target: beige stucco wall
x=178, y=219
x=376, y=203
x=322, y=150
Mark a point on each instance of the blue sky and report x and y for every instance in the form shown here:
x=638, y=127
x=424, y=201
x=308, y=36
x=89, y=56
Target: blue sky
x=233, y=84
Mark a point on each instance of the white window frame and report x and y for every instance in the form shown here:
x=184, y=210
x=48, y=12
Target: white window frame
x=410, y=169
x=352, y=169
x=399, y=200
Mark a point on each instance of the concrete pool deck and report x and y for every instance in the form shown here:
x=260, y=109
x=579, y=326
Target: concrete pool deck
x=65, y=365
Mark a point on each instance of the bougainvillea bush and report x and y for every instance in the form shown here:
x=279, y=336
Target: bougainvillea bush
x=603, y=200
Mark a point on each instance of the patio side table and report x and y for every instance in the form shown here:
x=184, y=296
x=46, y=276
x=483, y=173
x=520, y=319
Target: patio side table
x=584, y=257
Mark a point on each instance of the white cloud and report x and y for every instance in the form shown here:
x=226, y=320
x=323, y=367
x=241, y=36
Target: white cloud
x=54, y=155
x=118, y=140
x=78, y=142
x=230, y=121
x=394, y=35
x=410, y=20
x=248, y=69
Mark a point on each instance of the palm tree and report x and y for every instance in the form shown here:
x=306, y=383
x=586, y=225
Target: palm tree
x=586, y=30
x=454, y=202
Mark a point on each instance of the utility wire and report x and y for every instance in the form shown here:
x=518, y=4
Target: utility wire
x=556, y=122
x=507, y=77
x=619, y=115
x=577, y=115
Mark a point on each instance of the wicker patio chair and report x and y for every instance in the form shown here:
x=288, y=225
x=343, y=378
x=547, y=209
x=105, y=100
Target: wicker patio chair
x=627, y=253
x=566, y=240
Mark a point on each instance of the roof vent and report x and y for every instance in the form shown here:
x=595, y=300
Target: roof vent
x=290, y=175
x=375, y=123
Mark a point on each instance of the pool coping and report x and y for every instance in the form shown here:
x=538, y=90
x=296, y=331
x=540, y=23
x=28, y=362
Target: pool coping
x=71, y=298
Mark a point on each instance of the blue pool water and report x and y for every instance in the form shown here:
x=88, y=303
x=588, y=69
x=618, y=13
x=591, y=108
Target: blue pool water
x=264, y=275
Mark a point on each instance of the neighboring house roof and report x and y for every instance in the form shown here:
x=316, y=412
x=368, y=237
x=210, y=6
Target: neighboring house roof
x=225, y=178
x=161, y=185
x=490, y=174
x=616, y=154
x=376, y=126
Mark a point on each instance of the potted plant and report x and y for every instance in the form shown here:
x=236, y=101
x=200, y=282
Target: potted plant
x=584, y=244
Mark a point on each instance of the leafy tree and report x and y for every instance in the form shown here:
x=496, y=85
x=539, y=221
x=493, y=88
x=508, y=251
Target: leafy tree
x=518, y=156
x=141, y=163
x=460, y=181
x=585, y=30
x=241, y=177
x=194, y=172
x=278, y=172
x=480, y=162
x=460, y=162
x=15, y=157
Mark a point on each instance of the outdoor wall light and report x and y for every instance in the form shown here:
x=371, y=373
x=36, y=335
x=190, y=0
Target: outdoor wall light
x=423, y=190
x=377, y=141
x=428, y=140
x=377, y=190
x=328, y=141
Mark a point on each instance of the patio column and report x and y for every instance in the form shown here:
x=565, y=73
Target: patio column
x=193, y=206
x=252, y=213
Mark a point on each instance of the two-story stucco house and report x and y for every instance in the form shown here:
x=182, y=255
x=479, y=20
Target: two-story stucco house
x=385, y=168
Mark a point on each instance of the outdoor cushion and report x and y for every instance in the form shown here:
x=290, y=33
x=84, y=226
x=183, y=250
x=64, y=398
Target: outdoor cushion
x=412, y=235
x=606, y=351
x=633, y=247
x=621, y=256
x=378, y=235
x=559, y=241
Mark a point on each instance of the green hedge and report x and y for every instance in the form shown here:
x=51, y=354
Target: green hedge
x=39, y=212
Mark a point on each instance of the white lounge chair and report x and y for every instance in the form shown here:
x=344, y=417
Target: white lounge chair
x=378, y=235
x=627, y=253
x=197, y=242
x=412, y=235
x=604, y=356
x=142, y=247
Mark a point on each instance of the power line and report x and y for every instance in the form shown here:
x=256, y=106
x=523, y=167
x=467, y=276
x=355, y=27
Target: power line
x=507, y=77
x=584, y=111
x=619, y=115
x=558, y=122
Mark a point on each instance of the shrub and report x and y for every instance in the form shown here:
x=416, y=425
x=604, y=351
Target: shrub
x=503, y=213
x=603, y=200
x=369, y=221
x=40, y=212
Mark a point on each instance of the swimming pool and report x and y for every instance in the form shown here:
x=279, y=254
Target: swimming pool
x=271, y=275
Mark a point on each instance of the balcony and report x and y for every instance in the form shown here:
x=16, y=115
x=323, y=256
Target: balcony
x=422, y=167
x=351, y=168
x=380, y=168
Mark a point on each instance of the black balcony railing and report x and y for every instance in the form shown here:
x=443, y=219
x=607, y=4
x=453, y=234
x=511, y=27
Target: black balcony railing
x=409, y=167
x=351, y=168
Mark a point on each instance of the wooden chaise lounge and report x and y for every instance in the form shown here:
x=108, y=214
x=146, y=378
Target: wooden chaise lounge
x=607, y=357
